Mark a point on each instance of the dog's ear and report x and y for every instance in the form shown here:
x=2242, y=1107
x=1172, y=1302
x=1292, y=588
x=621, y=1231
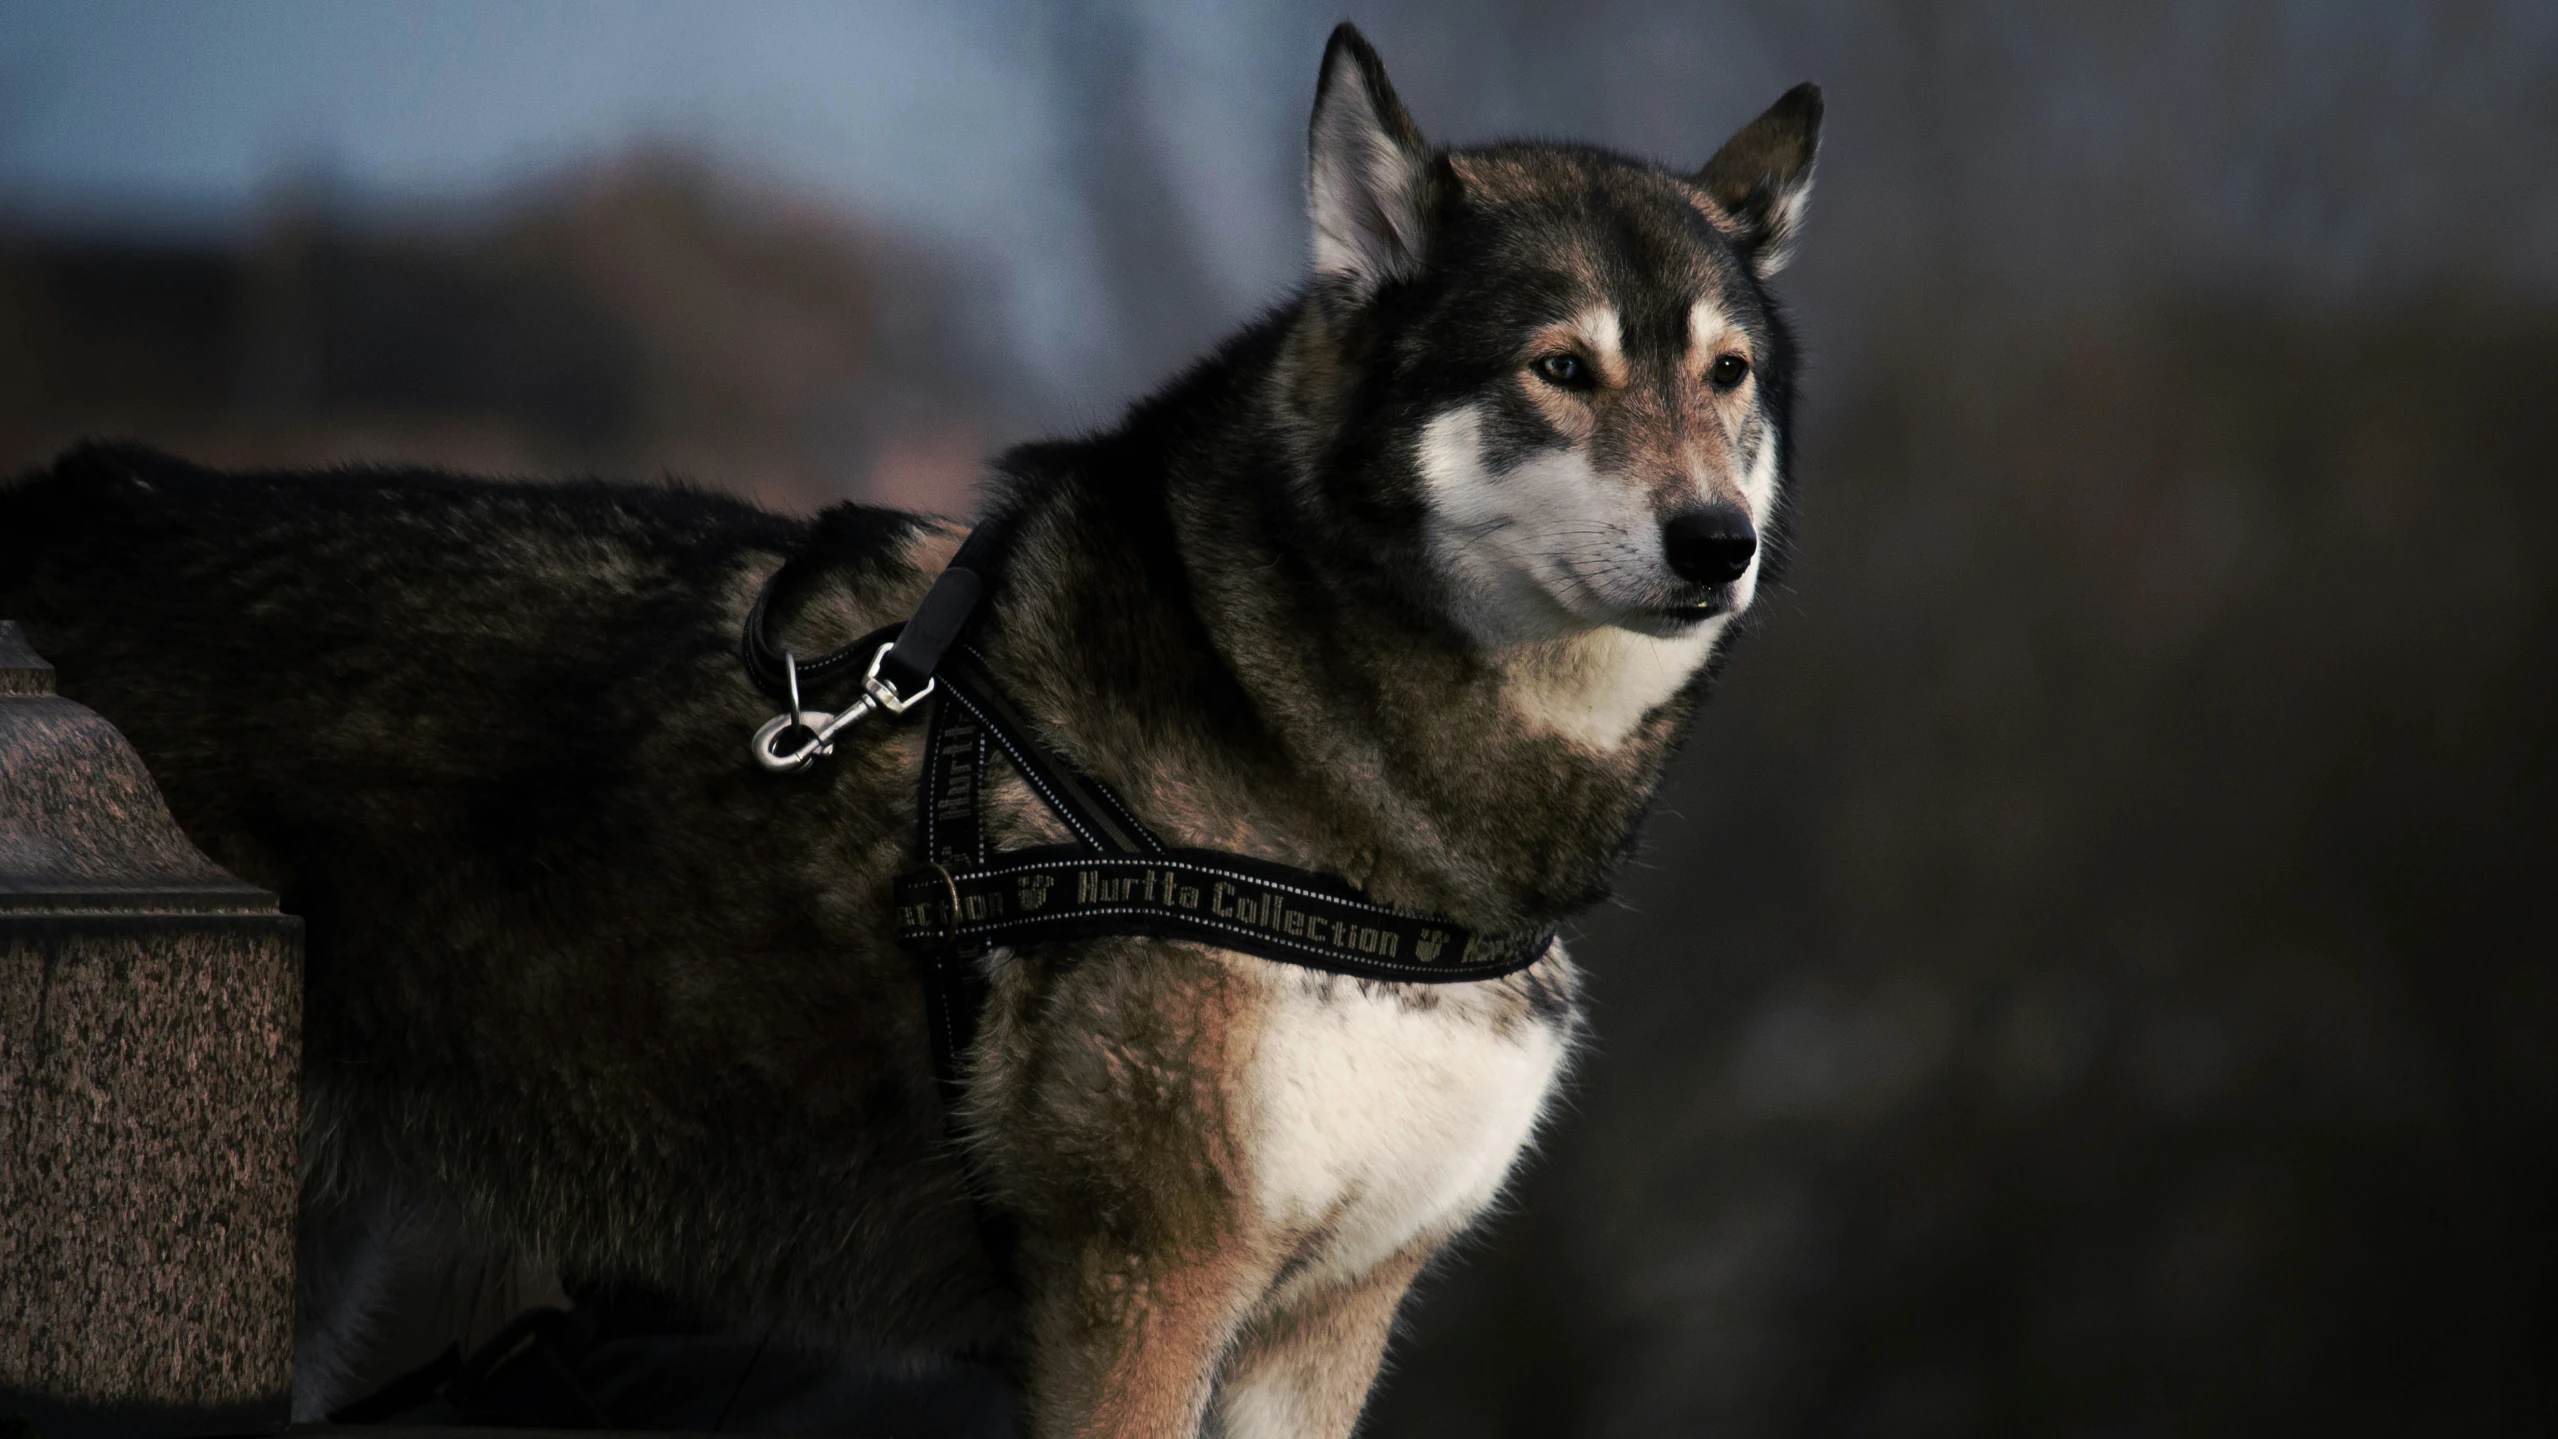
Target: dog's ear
x=1368, y=173
x=1763, y=176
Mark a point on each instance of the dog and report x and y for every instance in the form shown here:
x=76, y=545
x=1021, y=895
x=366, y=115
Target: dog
x=1415, y=581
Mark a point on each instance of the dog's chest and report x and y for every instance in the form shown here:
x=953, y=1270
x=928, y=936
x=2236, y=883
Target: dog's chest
x=1372, y=1123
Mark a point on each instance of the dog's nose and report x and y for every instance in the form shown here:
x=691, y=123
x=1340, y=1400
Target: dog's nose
x=1709, y=545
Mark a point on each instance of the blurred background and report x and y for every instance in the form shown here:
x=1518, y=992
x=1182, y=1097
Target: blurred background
x=2096, y=969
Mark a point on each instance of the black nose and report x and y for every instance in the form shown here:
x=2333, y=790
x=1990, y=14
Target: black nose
x=1709, y=545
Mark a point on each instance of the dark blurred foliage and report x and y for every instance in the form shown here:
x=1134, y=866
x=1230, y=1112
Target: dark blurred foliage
x=641, y=317
x=2093, y=972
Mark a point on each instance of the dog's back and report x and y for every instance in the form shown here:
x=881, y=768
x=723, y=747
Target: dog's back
x=312, y=661
x=158, y=585
x=488, y=740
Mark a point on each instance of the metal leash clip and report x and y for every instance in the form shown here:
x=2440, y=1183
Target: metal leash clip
x=877, y=694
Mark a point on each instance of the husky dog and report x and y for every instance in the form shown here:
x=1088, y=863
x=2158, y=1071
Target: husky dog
x=1414, y=581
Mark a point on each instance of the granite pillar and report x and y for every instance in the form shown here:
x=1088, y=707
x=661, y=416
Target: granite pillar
x=150, y=1033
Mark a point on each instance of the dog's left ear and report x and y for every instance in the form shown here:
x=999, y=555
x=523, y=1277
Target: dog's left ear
x=1368, y=174
x=1762, y=177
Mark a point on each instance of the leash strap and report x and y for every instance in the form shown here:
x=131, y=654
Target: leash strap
x=920, y=641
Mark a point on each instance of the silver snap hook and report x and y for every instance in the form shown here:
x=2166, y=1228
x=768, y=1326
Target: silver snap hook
x=877, y=694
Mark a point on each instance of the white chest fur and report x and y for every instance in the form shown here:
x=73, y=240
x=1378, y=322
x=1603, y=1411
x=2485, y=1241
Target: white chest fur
x=1594, y=689
x=1374, y=1124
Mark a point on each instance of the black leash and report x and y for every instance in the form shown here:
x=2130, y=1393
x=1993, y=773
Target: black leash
x=1117, y=878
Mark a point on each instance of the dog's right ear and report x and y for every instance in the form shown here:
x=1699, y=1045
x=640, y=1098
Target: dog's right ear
x=1368, y=173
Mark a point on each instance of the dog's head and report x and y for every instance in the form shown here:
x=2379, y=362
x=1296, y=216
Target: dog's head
x=1564, y=362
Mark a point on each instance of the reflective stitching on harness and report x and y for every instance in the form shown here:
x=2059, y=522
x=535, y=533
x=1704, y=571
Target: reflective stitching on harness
x=1175, y=860
x=1108, y=795
x=932, y=804
x=1073, y=821
x=1453, y=973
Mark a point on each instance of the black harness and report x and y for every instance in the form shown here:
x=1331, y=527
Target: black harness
x=1117, y=878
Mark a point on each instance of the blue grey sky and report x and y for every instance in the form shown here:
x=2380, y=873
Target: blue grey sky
x=2332, y=148
x=937, y=120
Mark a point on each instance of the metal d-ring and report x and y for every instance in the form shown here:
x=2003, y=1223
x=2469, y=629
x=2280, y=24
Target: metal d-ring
x=950, y=932
x=877, y=694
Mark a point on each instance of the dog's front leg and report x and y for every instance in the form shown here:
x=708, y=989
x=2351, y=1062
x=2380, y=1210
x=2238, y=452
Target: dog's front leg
x=1302, y=1366
x=1111, y=1094
x=1126, y=1343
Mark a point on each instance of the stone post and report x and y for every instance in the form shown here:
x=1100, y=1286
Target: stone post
x=150, y=1031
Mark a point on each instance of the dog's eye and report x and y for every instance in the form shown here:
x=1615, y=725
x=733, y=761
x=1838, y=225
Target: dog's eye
x=1727, y=371
x=1565, y=370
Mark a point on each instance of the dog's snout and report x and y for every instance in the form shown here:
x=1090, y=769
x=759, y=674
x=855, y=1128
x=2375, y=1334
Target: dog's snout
x=1709, y=545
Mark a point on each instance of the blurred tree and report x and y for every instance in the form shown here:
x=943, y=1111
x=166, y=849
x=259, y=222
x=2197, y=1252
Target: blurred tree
x=646, y=316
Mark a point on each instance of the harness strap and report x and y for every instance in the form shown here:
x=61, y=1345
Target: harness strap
x=1057, y=892
x=1118, y=878
x=1121, y=879
x=1100, y=819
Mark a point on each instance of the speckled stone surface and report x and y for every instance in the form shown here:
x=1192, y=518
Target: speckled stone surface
x=150, y=1033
